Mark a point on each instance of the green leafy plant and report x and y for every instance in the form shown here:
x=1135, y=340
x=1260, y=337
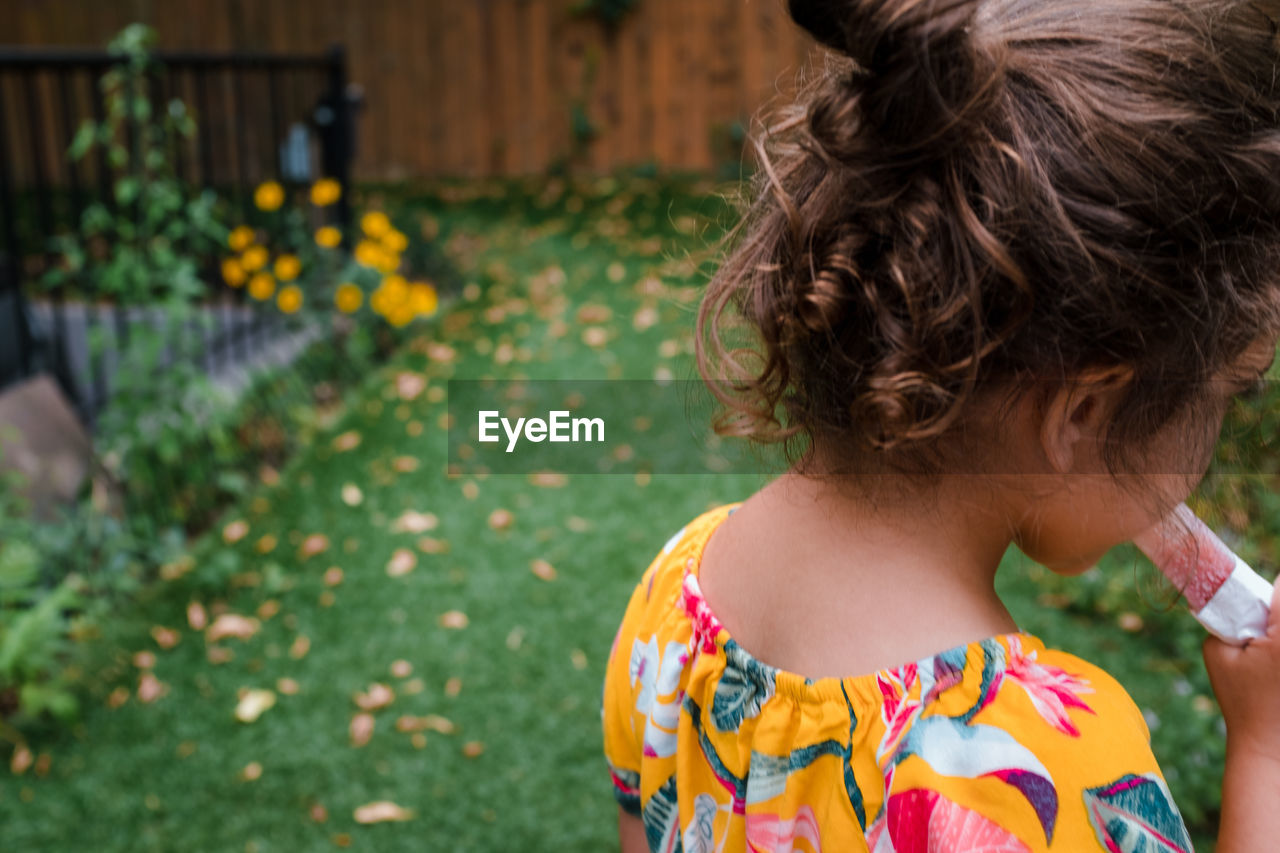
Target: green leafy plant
x=145, y=243
x=33, y=615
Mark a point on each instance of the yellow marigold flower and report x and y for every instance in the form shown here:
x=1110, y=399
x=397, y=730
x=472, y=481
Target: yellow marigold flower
x=375, y=224
x=328, y=237
x=290, y=299
x=395, y=241
x=325, y=192
x=387, y=263
x=423, y=298
x=379, y=303
x=348, y=297
x=240, y=238
x=368, y=253
x=262, y=286
x=232, y=273
x=254, y=258
x=399, y=316
x=268, y=196
x=288, y=267
x=396, y=288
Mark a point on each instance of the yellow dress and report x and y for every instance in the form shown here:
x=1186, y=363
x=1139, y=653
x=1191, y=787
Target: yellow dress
x=999, y=745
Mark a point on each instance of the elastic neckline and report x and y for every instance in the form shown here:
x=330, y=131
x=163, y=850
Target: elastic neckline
x=707, y=627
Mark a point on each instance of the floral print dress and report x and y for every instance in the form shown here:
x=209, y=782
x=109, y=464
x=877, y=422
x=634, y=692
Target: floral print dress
x=999, y=745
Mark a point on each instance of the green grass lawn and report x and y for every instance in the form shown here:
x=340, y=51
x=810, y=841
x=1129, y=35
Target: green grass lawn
x=519, y=677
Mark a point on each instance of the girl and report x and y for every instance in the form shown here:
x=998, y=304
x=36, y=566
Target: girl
x=1007, y=263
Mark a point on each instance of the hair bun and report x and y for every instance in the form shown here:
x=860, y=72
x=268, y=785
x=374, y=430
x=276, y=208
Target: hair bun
x=923, y=76
x=824, y=20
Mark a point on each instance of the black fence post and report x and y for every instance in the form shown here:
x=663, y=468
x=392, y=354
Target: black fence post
x=15, y=337
x=337, y=133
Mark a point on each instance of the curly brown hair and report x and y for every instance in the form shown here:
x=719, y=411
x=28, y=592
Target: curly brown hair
x=989, y=194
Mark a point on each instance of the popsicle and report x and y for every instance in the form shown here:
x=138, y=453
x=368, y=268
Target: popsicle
x=1228, y=597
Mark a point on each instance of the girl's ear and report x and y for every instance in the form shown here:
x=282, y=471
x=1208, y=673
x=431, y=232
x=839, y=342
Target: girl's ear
x=1078, y=410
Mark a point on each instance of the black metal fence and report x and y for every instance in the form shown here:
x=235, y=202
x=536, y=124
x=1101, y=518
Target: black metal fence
x=258, y=117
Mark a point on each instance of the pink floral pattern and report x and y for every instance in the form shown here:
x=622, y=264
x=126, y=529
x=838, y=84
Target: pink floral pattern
x=1052, y=690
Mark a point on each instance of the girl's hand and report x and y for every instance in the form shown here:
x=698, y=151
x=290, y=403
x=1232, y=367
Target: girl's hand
x=1246, y=680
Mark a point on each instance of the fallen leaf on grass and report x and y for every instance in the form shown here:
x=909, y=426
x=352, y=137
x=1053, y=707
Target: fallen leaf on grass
x=118, y=697
x=402, y=562
x=266, y=544
x=381, y=812
x=411, y=521
x=516, y=638
x=413, y=686
x=332, y=576
x=577, y=524
x=410, y=385
x=377, y=696
x=361, y=729
x=405, y=464
x=1129, y=621
x=401, y=668
x=251, y=772
x=430, y=722
x=21, y=760
x=454, y=619
x=235, y=531
x=443, y=353
x=594, y=313
x=351, y=495
x=150, y=688
x=595, y=336
x=144, y=660
x=501, y=519
x=253, y=704
x=314, y=544
x=301, y=645
x=428, y=545
x=197, y=618
x=175, y=569
x=579, y=659
x=319, y=813
x=645, y=318
x=472, y=749
x=347, y=441
x=231, y=625
x=543, y=570
x=453, y=687
x=268, y=608
x=548, y=480
x=219, y=654
x=287, y=686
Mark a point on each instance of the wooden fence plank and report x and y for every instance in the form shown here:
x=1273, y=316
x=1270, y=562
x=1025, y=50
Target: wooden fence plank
x=486, y=86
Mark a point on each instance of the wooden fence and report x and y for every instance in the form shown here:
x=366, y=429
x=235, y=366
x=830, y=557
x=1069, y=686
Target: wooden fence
x=494, y=87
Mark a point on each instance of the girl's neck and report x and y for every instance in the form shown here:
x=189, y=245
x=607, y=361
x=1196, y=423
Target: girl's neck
x=813, y=579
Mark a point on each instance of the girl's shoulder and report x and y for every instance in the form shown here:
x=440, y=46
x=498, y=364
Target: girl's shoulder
x=1003, y=732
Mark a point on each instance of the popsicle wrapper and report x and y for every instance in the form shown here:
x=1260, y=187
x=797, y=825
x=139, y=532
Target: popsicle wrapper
x=1238, y=611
